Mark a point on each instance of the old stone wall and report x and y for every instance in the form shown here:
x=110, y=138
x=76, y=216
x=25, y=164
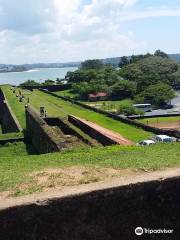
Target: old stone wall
x=173, y=133
x=109, y=214
x=66, y=128
x=52, y=88
x=40, y=134
x=91, y=131
x=8, y=120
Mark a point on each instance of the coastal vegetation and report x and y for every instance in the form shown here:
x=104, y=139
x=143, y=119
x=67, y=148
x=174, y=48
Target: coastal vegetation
x=142, y=78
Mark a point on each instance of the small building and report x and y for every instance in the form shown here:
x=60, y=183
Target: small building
x=100, y=96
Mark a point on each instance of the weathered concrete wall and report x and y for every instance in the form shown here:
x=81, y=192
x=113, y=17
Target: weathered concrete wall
x=8, y=120
x=52, y=88
x=173, y=133
x=40, y=133
x=109, y=214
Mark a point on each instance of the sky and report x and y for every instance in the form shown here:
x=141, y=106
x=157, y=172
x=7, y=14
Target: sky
x=74, y=30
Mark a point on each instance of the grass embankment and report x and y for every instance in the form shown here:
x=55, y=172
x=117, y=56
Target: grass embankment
x=66, y=93
x=110, y=106
x=18, y=110
x=58, y=107
x=13, y=150
x=11, y=135
x=16, y=106
x=21, y=174
x=107, y=105
x=160, y=120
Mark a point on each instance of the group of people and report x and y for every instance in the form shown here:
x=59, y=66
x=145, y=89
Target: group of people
x=19, y=95
x=43, y=112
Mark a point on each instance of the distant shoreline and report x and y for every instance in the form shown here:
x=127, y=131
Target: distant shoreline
x=31, y=70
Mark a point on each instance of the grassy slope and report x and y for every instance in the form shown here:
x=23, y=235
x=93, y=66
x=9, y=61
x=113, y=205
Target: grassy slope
x=111, y=106
x=66, y=93
x=58, y=107
x=11, y=135
x=160, y=120
x=13, y=149
x=15, y=166
x=104, y=105
x=16, y=106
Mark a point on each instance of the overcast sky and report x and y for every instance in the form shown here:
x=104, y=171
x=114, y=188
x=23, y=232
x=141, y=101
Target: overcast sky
x=71, y=30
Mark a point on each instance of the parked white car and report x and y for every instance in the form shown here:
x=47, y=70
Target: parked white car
x=163, y=139
x=146, y=143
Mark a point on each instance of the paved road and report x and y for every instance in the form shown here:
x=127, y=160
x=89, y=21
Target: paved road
x=176, y=107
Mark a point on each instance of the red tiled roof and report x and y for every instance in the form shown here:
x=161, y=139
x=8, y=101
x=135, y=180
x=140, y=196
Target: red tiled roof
x=100, y=94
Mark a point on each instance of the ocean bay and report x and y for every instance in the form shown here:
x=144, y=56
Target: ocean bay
x=39, y=75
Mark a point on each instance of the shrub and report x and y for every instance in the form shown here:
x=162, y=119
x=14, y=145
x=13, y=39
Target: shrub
x=128, y=110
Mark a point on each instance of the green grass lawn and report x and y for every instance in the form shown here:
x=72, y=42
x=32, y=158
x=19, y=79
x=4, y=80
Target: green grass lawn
x=107, y=105
x=16, y=106
x=13, y=150
x=16, y=167
x=17, y=162
x=66, y=93
x=160, y=120
x=110, y=106
x=58, y=107
x=11, y=135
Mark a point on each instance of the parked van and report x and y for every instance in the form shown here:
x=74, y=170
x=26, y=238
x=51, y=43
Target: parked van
x=146, y=107
x=163, y=138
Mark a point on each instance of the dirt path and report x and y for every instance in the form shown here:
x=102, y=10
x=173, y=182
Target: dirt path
x=172, y=125
x=116, y=137
x=43, y=198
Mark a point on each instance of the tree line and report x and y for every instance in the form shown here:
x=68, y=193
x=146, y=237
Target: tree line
x=145, y=78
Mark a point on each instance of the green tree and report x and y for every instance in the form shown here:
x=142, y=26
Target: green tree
x=81, y=76
x=157, y=94
x=149, y=71
x=128, y=110
x=92, y=64
x=122, y=89
x=84, y=88
x=159, y=53
x=59, y=81
x=30, y=83
x=49, y=82
x=124, y=61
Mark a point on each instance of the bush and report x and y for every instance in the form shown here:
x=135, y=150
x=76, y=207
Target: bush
x=122, y=89
x=128, y=110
